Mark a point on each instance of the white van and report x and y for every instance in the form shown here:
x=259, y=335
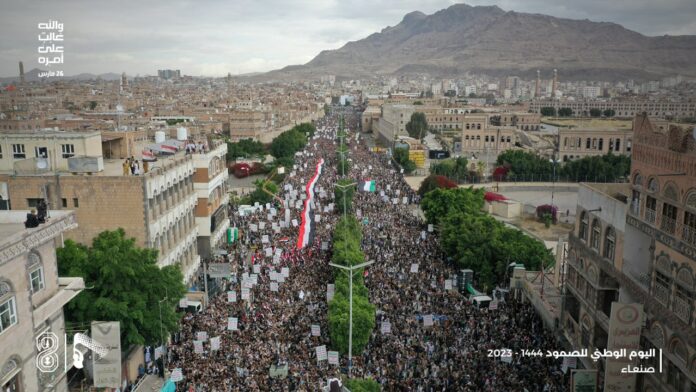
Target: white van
x=480, y=301
x=194, y=307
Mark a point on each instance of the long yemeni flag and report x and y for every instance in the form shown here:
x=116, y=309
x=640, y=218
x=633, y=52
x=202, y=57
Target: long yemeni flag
x=232, y=234
x=367, y=186
x=307, y=226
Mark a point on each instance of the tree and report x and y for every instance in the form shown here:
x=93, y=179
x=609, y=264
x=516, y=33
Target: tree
x=454, y=168
x=259, y=195
x=92, y=105
x=419, y=102
x=440, y=203
x=288, y=143
x=472, y=95
x=433, y=182
x=244, y=148
x=565, y=112
x=401, y=157
x=609, y=113
x=339, y=319
x=344, y=190
x=595, y=112
x=605, y=168
x=417, y=127
x=524, y=165
x=127, y=287
x=548, y=111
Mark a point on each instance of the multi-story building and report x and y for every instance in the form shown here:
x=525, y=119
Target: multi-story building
x=622, y=108
x=636, y=243
x=210, y=185
x=486, y=142
x=156, y=207
x=32, y=296
x=660, y=255
x=247, y=124
x=519, y=120
x=169, y=73
x=591, y=91
x=575, y=143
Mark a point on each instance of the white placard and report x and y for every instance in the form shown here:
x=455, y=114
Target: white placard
x=245, y=293
x=274, y=286
x=294, y=223
x=321, y=353
x=285, y=271
x=262, y=225
x=215, y=343
x=427, y=320
x=317, y=218
x=414, y=268
x=395, y=200
x=431, y=228
x=202, y=336
x=264, y=239
x=405, y=200
x=316, y=330
x=197, y=347
x=448, y=284
x=253, y=227
x=330, y=288
x=183, y=303
x=268, y=252
x=231, y=296
x=177, y=375
x=422, y=235
x=333, y=357
x=257, y=268
x=385, y=328
x=231, y=323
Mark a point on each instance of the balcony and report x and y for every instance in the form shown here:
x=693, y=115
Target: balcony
x=662, y=294
x=68, y=288
x=688, y=233
x=682, y=309
x=667, y=224
x=650, y=215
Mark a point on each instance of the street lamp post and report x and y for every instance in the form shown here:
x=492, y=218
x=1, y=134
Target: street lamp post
x=350, y=307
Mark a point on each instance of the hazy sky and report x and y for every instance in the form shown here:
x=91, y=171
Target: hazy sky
x=214, y=37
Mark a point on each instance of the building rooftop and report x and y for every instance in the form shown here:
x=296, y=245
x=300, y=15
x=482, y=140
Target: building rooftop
x=12, y=229
x=618, y=191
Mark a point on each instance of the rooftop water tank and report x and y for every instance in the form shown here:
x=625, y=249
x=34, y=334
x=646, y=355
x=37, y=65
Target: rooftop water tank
x=181, y=134
x=159, y=137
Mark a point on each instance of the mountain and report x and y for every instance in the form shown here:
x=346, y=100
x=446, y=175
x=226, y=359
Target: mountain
x=33, y=76
x=488, y=40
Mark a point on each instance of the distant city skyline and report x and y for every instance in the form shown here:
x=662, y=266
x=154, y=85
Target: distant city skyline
x=214, y=37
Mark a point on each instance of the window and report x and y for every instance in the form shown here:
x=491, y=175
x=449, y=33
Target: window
x=689, y=228
x=588, y=143
x=596, y=232
x=618, y=145
x=18, y=151
x=650, y=207
x=601, y=144
x=37, y=279
x=75, y=202
x=669, y=218
x=33, y=203
x=41, y=152
x=610, y=244
x=64, y=202
x=674, y=376
x=0, y=152
x=584, y=221
x=68, y=150
x=8, y=314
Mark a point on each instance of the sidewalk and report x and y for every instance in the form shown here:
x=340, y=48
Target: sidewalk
x=150, y=383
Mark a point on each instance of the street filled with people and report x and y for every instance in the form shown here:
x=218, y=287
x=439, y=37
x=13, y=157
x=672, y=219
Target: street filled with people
x=259, y=332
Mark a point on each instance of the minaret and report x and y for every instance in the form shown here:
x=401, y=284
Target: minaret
x=537, y=89
x=124, y=82
x=554, y=85
x=21, y=73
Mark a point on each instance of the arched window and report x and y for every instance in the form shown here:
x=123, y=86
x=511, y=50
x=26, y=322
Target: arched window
x=638, y=180
x=596, y=233
x=36, y=272
x=8, y=307
x=584, y=221
x=610, y=244
x=653, y=185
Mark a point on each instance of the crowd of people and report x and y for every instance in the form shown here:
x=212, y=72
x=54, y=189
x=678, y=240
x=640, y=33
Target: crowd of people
x=273, y=348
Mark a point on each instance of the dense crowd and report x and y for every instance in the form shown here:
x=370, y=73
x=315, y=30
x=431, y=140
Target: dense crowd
x=274, y=327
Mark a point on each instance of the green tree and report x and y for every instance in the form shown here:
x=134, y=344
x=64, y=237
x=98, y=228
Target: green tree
x=92, y=105
x=609, y=113
x=440, y=203
x=344, y=189
x=288, y=143
x=565, y=112
x=605, y=168
x=548, y=111
x=245, y=148
x=525, y=165
x=401, y=157
x=259, y=195
x=419, y=102
x=127, y=287
x=453, y=168
x=433, y=182
x=595, y=112
x=339, y=319
x=417, y=127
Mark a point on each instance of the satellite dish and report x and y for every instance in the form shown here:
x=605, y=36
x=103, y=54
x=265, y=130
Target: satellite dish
x=42, y=163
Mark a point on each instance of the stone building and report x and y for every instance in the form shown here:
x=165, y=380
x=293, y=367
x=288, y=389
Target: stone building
x=32, y=296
